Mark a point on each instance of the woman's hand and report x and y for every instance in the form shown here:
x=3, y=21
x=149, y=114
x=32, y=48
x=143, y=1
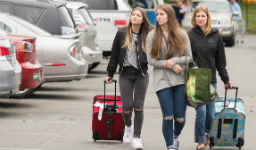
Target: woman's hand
x=228, y=85
x=177, y=68
x=169, y=63
x=108, y=80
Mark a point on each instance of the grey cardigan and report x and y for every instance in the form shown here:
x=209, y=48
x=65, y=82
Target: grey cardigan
x=165, y=78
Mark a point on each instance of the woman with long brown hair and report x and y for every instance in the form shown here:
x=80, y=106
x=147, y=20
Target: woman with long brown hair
x=129, y=52
x=168, y=49
x=208, y=52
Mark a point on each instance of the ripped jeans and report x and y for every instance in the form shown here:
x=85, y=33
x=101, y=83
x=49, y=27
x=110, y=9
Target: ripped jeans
x=173, y=104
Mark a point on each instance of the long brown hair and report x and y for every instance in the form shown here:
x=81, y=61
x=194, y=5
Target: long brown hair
x=208, y=23
x=144, y=28
x=175, y=39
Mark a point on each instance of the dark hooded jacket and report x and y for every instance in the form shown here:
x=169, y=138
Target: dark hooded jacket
x=208, y=52
x=118, y=53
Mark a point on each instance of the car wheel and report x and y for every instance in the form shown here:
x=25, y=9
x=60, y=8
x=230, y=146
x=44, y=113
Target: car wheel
x=231, y=41
x=24, y=93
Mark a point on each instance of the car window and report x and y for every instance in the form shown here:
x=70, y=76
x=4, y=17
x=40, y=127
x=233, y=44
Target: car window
x=100, y=4
x=146, y=4
x=65, y=17
x=219, y=7
x=31, y=14
x=88, y=18
x=29, y=26
x=5, y=28
x=5, y=8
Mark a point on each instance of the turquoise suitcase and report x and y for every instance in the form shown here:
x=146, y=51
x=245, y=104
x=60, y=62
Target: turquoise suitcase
x=229, y=123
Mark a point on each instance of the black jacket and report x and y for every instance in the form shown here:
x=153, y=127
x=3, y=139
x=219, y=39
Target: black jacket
x=208, y=52
x=118, y=54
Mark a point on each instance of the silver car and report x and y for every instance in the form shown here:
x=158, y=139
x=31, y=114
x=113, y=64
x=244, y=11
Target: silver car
x=60, y=56
x=10, y=69
x=221, y=15
x=87, y=29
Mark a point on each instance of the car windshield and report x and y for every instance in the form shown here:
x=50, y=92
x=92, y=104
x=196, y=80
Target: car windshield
x=146, y=4
x=30, y=26
x=88, y=18
x=218, y=7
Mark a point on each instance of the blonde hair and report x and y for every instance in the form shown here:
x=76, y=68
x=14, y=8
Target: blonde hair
x=145, y=27
x=175, y=40
x=208, y=23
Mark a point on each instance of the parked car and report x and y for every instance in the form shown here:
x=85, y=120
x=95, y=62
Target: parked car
x=87, y=29
x=32, y=70
x=10, y=70
x=52, y=16
x=61, y=58
x=46, y=14
x=222, y=18
x=109, y=16
x=148, y=5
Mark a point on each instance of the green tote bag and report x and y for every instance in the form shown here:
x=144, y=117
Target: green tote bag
x=199, y=90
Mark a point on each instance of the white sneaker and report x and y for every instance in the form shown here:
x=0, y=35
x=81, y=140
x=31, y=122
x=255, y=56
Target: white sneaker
x=176, y=143
x=171, y=148
x=128, y=134
x=137, y=143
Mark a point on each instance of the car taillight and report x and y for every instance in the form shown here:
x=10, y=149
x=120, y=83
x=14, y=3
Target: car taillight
x=22, y=45
x=81, y=26
x=4, y=51
x=74, y=52
x=120, y=22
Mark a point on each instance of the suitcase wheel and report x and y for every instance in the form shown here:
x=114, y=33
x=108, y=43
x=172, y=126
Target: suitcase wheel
x=121, y=137
x=211, y=142
x=95, y=136
x=240, y=142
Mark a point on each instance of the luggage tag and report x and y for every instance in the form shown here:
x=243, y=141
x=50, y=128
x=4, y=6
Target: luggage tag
x=101, y=106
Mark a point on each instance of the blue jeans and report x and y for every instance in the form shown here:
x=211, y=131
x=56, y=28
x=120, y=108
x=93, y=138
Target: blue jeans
x=205, y=115
x=173, y=104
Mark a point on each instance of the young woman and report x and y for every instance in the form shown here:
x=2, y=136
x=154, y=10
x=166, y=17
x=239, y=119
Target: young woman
x=168, y=48
x=129, y=51
x=208, y=52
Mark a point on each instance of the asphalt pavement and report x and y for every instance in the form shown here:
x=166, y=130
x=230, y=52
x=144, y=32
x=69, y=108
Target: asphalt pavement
x=59, y=115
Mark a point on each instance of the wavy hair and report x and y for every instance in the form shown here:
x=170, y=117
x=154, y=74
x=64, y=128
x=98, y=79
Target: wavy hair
x=176, y=43
x=208, y=23
x=144, y=28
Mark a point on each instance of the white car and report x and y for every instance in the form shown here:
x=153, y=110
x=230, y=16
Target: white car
x=10, y=69
x=109, y=16
x=87, y=29
x=221, y=15
x=60, y=56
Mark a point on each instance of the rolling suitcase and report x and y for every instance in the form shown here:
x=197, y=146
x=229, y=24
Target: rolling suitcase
x=228, y=126
x=107, y=119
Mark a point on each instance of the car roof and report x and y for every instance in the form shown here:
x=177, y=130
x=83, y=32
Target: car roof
x=41, y=3
x=209, y=1
x=76, y=5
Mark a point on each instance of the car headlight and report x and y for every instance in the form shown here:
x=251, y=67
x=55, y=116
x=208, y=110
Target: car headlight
x=226, y=22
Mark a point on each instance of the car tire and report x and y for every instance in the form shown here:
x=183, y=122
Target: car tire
x=231, y=41
x=24, y=93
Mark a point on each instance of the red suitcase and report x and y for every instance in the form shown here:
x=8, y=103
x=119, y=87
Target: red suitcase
x=107, y=119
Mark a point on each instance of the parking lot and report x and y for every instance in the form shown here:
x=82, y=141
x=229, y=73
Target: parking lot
x=58, y=116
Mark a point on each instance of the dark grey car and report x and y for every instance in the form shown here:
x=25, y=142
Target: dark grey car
x=46, y=14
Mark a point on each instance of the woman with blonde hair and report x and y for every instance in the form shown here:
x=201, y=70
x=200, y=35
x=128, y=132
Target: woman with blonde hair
x=168, y=48
x=129, y=52
x=208, y=52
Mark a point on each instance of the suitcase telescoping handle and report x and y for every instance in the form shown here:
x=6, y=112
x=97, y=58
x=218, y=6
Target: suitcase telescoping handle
x=115, y=81
x=225, y=99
